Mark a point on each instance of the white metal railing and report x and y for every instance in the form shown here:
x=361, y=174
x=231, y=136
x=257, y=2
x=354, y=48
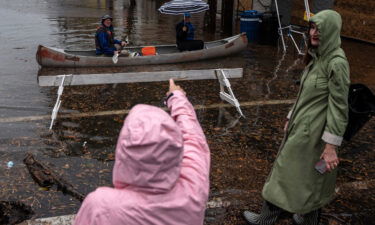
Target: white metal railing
x=157, y=76
x=228, y=97
x=290, y=29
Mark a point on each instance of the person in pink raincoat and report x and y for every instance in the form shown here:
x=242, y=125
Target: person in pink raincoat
x=161, y=171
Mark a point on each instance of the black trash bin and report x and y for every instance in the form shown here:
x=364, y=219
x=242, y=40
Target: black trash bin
x=269, y=29
x=361, y=108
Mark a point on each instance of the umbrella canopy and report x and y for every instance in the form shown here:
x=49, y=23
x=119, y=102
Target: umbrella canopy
x=178, y=7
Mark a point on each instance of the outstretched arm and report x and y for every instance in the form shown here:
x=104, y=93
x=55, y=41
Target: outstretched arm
x=196, y=159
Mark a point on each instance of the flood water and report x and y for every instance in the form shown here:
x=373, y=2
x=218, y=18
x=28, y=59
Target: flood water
x=81, y=149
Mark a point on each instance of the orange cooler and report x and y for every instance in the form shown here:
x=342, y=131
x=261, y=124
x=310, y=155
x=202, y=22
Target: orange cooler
x=148, y=50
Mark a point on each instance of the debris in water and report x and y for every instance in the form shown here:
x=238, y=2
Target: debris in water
x=46, y=177
x=12, y=212
x=10, y=164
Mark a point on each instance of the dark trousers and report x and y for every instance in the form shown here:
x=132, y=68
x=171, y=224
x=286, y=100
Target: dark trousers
x=270, y=213
x=190, y=45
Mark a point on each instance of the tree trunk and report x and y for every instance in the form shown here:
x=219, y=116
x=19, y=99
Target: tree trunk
x=227, y=16
x=211, y=16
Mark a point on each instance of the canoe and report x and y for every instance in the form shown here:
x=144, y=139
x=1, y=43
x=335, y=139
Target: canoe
x=55, y=57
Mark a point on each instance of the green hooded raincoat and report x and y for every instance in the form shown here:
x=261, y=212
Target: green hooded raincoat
x=319, y=116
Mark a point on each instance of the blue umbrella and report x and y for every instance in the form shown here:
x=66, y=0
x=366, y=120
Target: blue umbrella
x=179, y=7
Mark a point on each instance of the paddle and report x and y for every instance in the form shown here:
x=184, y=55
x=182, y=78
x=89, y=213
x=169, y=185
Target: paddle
x=115, y=56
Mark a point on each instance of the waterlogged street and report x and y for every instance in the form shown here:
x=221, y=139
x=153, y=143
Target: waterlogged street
x=80, y=148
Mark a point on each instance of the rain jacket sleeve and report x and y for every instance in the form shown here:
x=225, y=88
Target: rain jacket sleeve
x=196, y=159
x=90, y=212
x=105, y=45
x=337, y=113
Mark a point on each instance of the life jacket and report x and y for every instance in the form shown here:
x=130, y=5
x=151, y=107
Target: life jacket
x=110, y=36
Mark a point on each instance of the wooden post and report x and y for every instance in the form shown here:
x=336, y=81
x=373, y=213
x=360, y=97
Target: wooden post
x=109, y=4
x=211, y=15
x=130, y=18
x=227, y=16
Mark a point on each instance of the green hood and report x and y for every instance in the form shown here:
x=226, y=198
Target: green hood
x=329, y=25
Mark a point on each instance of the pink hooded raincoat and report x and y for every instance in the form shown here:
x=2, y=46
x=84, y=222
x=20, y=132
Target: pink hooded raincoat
x=161, y=171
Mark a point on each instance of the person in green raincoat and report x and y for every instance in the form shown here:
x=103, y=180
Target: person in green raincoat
x=315, y=128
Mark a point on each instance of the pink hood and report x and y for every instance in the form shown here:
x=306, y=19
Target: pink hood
x=149, y=151
x=161, y=171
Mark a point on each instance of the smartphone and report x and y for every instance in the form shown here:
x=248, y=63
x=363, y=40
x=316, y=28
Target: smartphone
x=321, y=166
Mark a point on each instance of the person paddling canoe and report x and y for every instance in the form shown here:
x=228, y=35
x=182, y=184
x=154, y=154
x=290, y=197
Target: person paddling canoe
x=105, y=39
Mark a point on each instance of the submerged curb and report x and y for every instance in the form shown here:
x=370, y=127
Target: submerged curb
x=126, y=111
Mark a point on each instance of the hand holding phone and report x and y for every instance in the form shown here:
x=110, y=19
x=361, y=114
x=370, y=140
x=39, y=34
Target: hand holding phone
x=330, y=157
x=321, y=166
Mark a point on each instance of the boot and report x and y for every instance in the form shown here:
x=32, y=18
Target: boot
x=311, y=218
x=268, y=215
x=298, y=219
x=251, y=218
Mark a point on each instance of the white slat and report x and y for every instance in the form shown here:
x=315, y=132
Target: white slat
x=113, y=78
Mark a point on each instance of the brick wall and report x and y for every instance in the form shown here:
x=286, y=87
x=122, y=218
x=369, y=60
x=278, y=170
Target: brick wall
x=358, y=18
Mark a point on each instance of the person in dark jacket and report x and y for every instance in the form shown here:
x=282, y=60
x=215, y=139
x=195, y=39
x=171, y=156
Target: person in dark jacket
x=185, y=35
x=104, y=38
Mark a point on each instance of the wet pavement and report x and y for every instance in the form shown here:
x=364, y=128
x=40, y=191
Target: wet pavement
x=81, y=150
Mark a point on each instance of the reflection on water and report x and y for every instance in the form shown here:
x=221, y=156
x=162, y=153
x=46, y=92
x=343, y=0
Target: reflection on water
x=141, y=22
x=275, y=72
x=226, y=120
